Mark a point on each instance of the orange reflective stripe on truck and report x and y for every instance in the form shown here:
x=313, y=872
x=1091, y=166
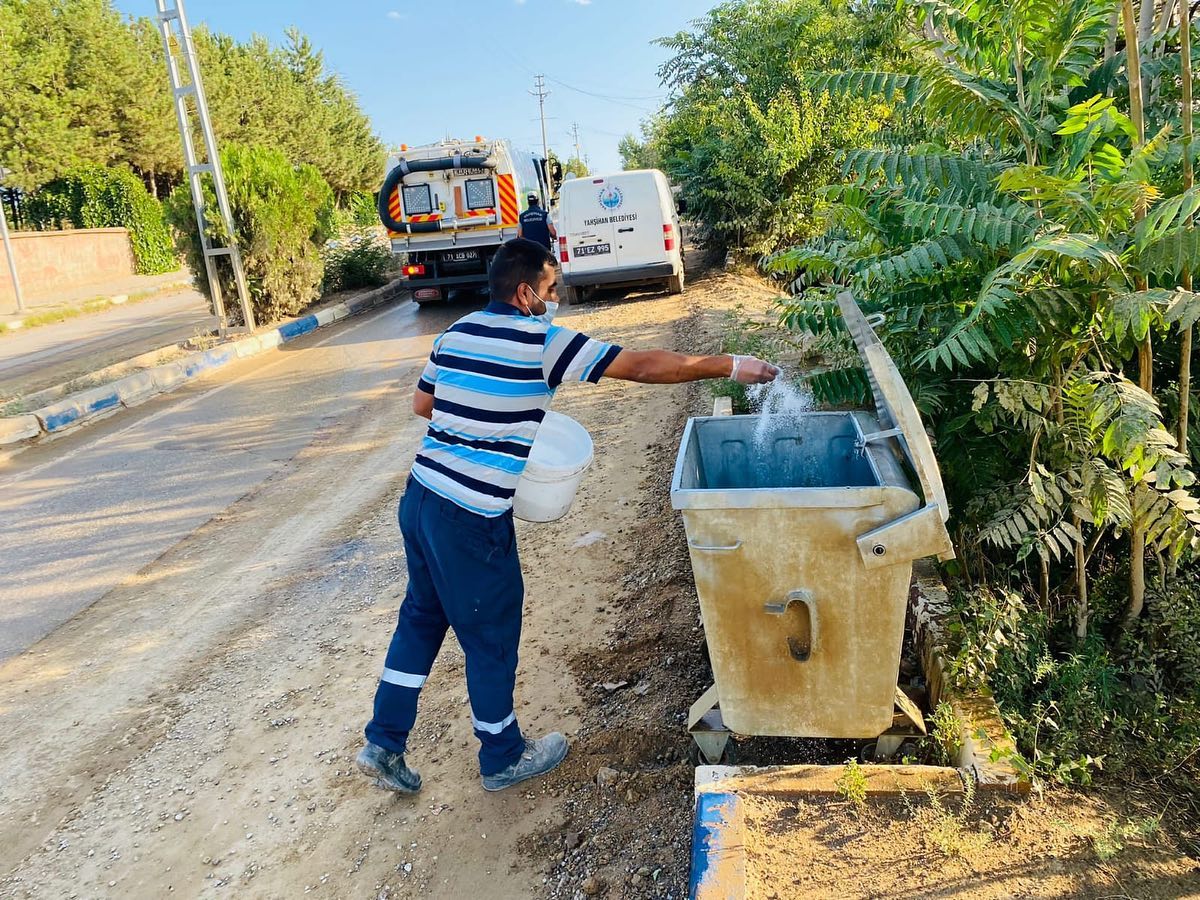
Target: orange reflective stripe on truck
x=508, y=200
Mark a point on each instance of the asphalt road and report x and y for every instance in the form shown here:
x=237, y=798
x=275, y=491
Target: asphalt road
x=42, y=357
x=83, y=513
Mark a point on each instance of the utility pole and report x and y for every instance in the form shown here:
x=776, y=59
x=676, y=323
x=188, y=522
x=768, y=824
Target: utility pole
x=575, y=134
x=12, y=263
x=541, y=93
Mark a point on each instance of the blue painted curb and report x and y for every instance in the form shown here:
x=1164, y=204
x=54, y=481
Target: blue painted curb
x=60, y=420
x=718, y=851
x=76, y=409
x=297, y=327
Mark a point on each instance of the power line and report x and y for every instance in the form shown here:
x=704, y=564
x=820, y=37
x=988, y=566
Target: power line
x=613, y=97
x=618, y=99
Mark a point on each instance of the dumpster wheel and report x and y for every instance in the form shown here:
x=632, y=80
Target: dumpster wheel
x=711, y=739
x=726, y=756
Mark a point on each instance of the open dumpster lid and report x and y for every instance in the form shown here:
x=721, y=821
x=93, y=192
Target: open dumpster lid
x=897, y=412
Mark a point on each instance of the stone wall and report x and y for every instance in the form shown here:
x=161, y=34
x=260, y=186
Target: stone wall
x=49, y=262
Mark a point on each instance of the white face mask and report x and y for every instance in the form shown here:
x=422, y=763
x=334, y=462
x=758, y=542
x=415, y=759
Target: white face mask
x=551, y=309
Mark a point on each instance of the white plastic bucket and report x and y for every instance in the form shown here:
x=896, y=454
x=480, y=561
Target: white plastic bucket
x=561, y=453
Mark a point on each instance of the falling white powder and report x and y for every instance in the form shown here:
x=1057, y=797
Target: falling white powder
x=781, y=406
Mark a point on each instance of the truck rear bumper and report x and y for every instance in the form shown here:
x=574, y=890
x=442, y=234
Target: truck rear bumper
x=447, y=281
x=624, y=275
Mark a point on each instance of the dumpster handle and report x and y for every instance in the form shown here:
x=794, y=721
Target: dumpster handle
x=801, y=648
x=715, y=549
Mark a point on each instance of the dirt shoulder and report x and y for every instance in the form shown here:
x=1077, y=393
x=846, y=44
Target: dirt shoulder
x=193, y=733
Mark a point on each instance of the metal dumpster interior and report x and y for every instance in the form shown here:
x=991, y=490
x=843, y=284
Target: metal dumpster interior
x=801, y=542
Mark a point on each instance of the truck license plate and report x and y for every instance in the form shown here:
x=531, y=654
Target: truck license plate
x=593, y=249
x=460, y=255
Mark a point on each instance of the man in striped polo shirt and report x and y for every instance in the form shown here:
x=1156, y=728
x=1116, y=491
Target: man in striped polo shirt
x=485, y=390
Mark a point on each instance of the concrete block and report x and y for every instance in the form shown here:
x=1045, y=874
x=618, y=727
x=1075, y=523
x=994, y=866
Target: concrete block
x=297, y=327
x=203, y=360
x=58, y=416
x=218, y=356
x=118, y=299
x=19, y=428
x=168, y=377
x=98, y=400
x=269, y=340
x=78, y=407
x=133, y=389
x=324, y=317
x=14, y=324
x=718, y=848
x=193, y=364
x=248, y=346
x=722, y=406
x=340, y=311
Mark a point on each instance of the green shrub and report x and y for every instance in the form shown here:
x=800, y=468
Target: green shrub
x=851, y=784
x=98, y=197
x=363, y=211
x=359, y=259
x=1075, y=707
x=283, y=214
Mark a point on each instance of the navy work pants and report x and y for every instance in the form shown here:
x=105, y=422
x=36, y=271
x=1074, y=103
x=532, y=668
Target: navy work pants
x=463, y=573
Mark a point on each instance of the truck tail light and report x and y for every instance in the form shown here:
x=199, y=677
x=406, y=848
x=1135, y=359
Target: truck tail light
x=562, y=250
x=669, y=236
x=414, y=270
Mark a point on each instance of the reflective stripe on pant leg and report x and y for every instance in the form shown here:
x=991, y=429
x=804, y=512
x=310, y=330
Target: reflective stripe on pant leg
x=474, y=563
x=420, y=629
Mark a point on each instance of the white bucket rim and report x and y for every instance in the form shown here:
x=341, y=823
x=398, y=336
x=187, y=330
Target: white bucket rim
x=549, y=474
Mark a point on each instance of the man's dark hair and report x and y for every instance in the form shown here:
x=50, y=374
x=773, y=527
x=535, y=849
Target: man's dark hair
x=516, y=261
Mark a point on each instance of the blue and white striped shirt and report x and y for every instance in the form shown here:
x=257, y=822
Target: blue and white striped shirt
x=492, y=375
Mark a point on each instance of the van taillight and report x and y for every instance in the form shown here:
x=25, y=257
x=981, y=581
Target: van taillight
x=669, y=236
x=414, y=270
x=562, y=249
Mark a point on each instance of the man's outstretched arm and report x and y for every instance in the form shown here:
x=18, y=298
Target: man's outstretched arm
x=668, y=367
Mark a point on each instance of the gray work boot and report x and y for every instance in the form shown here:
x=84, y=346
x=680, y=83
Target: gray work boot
x=388, y=769
x=540, y=757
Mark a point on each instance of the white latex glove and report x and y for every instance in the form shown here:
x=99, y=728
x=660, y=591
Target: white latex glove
x=748, y=370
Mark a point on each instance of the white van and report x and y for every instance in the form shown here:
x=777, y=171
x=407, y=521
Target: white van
x=617, y=230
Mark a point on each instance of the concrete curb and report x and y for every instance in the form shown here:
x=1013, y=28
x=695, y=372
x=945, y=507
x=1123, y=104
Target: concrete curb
x=89, y=405
x=719, y=835
x=988, y=750
x=718, y=847
x=111, y=300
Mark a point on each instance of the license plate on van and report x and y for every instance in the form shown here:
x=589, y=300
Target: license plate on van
x=593, y=250
x=460, y=255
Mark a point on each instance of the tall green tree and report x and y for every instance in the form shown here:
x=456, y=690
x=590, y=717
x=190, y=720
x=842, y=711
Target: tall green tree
x=1031, y=259
x=746, y=139
x=80, y=85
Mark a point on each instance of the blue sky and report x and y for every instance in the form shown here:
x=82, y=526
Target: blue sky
x=426, y=70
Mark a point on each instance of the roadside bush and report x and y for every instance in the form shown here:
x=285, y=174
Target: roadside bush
x=362, y=209
x=361, y=258
x=283, y=214
x=1075, y=707
x=99, y=197
x=749, y=143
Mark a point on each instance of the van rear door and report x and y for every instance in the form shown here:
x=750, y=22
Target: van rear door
x=638, y=220
x=591, y=234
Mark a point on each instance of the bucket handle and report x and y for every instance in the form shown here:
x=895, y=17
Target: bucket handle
x=729, y=548
x=800, y=646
